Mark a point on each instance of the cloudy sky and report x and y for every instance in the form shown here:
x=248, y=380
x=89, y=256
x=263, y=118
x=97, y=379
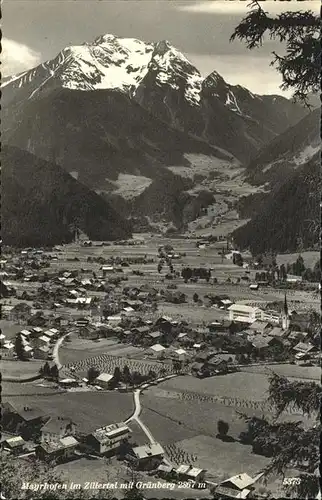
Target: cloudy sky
x=36, y=30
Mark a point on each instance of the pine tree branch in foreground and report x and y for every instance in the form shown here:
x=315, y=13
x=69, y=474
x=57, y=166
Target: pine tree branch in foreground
x=299, y=31
x=291, y=444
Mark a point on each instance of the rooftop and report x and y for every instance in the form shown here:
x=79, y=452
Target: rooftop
x=148, y=450
x=242, y=308
x=104, y=377
x=104, y=433
x=158, y=348
x=240, y=481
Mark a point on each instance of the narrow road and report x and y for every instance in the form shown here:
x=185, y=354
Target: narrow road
x=136, y=417
x=56, y=349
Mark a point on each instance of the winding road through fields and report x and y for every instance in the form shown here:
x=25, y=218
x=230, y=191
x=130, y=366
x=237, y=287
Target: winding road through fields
x=56, y=350
x=136, y=418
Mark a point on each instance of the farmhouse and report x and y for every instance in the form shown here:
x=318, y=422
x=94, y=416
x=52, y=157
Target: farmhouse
x=235, y=487
x=157, y=350
x=107, y=440
x=57, y=428
x=28, y=351
x=103, y=380
x=43, y=340
x=190, y=472
x=7, y=350
x=304, y=350
x=146, y=457
x=68, y=382
x=277, y=332
x=60, y=451
x=262, y=344
x=19, y=414
x=41, y=352
x=14, y=445
x=259, y=326
x=181, y=354
x=243, y=313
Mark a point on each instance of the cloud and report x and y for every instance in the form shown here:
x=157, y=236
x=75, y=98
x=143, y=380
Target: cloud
x=241, y=7
x=17, y=57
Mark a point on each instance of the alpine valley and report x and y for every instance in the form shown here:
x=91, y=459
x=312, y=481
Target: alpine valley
x=138, y=124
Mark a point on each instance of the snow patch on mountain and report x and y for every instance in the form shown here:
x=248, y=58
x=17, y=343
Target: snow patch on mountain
x=130, y=186
x=307, y=153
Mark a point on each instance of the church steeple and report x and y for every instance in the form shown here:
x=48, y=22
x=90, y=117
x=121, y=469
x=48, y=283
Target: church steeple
x=285, y=306
x=285, y=315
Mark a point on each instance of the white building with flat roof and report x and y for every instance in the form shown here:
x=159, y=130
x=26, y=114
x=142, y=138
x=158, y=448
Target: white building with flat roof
x=244, y=314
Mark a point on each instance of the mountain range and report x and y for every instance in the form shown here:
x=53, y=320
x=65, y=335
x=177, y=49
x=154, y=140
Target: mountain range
x=138, y=124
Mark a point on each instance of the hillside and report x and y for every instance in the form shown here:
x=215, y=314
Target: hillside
x=289, y=218
x=40, y=203
x=287, y=152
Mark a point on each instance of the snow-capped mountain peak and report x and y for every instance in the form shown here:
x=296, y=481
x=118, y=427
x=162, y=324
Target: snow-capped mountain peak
x=111, y=62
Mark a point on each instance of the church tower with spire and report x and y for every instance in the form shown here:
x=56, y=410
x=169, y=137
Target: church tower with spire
x=285, y=316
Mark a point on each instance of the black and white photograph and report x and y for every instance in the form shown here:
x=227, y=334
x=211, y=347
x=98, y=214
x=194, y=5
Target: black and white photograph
x=160, y=249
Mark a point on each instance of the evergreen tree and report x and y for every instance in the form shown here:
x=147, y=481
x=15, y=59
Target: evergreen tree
x=276, y=437
x=223, y=428
x=126, y=374
x=186, y=273
x=54, y=372
x=92, y=374
x=46, y=370
x=283, y=274
x=117, y=375
x=19, y=347
x=300, y=32
x=299, y=267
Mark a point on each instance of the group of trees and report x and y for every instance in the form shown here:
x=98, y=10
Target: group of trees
x=197, y=272
x=164, y=254
x=279, y=273
x=49, y=372
x=299, y=269
x=238, y=259
x=124, y=376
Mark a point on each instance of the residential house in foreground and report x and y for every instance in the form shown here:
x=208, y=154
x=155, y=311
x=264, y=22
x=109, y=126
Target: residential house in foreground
x=104, y=380
x=57, y=428
x=14, y=445
x=146, y=457
x=58, y=451
x=235, y=487
x=186, y=472
x=107, y=440
x=29, y=418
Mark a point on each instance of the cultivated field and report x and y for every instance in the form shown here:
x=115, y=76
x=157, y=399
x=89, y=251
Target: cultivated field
x=89, y=410
x=188, y=430
x=182, y=413
x=80, y=349
x=27, y=389
x=20, y=369
x=106, y=363
x=287, y=370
